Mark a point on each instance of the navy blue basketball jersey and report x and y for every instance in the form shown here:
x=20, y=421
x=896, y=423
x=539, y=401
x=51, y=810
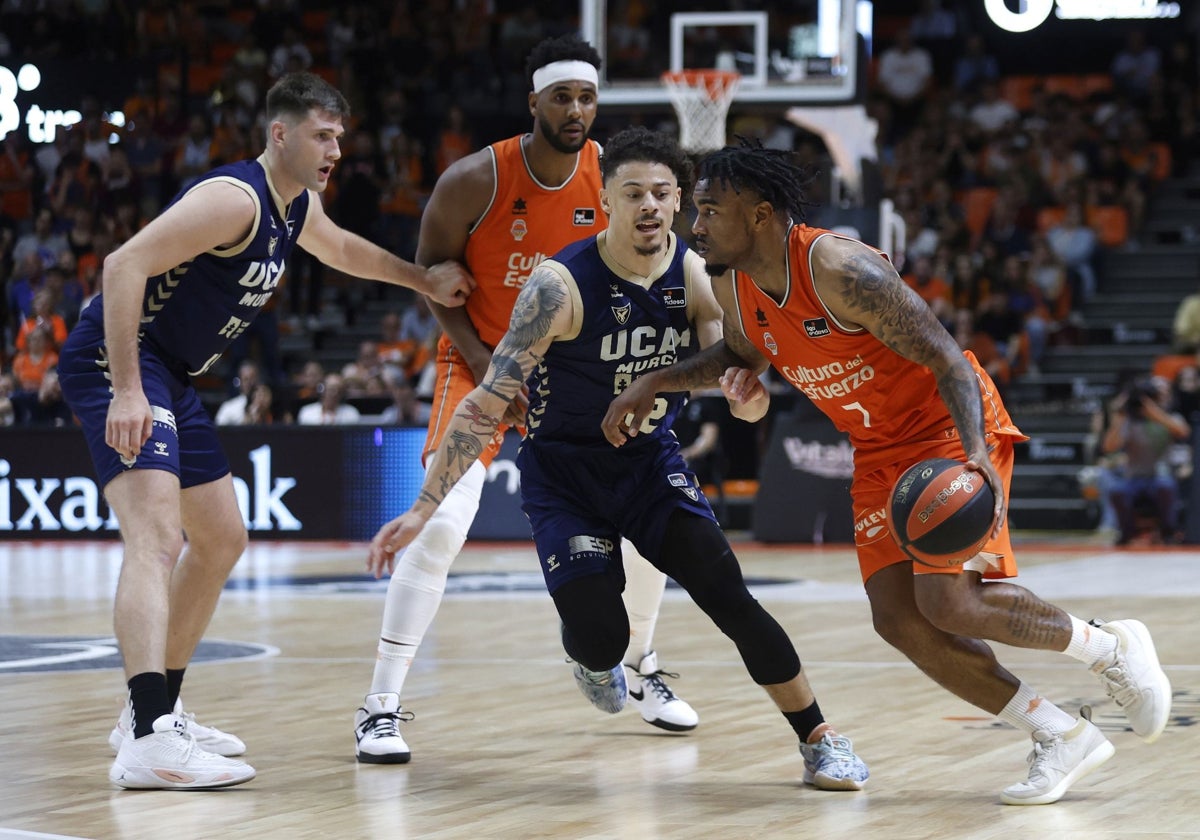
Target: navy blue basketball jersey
x=627, y=326
x=192, y=313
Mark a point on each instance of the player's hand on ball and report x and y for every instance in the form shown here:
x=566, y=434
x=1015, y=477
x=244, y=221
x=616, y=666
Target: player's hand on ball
x=984, y=465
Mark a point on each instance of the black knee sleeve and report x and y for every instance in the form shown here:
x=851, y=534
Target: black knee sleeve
x=696, y=554
x=595, y=630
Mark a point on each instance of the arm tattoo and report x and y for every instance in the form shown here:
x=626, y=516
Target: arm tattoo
x=877, y=298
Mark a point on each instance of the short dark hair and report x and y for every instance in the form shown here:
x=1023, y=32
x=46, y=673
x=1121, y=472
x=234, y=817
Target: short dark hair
x=772, y=173
x=295, y=94
x=640, y=144
x=569, y=47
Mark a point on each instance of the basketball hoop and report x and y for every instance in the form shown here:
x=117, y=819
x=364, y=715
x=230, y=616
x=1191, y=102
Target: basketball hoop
x=701, y=99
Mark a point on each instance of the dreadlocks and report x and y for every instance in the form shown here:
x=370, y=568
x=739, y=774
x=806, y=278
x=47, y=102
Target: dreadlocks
x=772, y=173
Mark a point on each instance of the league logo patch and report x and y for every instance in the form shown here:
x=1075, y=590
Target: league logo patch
x=584, y=216
x=621, y=313
x=769, y=343
x=675, y=298
x=678, y=480
x=816, y=327
x=519, y=229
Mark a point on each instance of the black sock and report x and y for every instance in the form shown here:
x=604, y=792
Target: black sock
x=148, y=695
x=174, y=683
x=805, y=721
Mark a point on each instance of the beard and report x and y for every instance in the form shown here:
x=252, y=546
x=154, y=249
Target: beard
x=715, y=269
x=557, y=143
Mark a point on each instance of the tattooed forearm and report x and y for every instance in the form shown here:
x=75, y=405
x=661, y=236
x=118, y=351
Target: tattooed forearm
x=507, y=373
x=703, y=370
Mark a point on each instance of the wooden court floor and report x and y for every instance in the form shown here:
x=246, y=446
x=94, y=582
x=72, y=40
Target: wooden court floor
x=503, y=744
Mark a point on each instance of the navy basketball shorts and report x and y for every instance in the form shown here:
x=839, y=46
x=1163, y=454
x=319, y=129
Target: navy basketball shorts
x=580, y=502
x=183, y=439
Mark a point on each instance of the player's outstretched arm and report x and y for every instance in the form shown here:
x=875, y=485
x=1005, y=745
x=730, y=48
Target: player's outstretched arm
x=542, y=312
x=447, y=283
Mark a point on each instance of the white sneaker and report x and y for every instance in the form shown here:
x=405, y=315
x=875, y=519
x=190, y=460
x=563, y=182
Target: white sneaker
x=208, y=738
x=1058, y=760
x=169, y=759
x=830, y=764
x=651, y=696
x=1134, y=679
x=377, y=730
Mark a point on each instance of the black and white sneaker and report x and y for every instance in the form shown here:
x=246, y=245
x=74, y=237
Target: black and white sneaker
x=654, y=699
x=377, y=730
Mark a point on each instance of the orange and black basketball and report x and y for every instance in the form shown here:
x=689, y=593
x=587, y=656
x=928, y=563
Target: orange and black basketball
x=940, y=512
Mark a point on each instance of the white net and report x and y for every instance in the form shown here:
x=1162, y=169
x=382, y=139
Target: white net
x=701, y=99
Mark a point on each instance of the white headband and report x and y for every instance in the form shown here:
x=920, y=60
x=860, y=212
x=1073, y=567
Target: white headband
x=564, y=71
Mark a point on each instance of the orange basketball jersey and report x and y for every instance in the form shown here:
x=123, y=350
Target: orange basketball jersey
x=525, y=223
x=881, y=399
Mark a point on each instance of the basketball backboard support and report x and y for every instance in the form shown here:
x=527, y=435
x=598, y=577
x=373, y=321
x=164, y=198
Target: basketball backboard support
x=784, y=57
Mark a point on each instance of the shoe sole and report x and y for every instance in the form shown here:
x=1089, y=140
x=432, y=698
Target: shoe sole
x=387, y=758
x=1102, y=753
x=671, y=727
x=147, y=779
x=823, y=782
x=1162, y=685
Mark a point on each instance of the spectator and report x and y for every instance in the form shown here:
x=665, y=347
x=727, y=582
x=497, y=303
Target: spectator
x=329, y=409
x=364, y=375
x=933, y=289
x=43, y=316
x=44, y=407
x=30, y=365
x=1073, y=242
x=16, y=180
x=419, y=333
x=1141, y=429
x=993, y=113
x=406, y=409
x=1135, y=66
x=905, y=74
x=290, y=55
x=235, y=410
x=43, y=241
x=975, y=67
x=194, y=156
x=454, y=140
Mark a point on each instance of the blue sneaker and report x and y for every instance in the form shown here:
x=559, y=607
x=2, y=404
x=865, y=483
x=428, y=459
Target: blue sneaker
x=607, y=690
x=830, y=764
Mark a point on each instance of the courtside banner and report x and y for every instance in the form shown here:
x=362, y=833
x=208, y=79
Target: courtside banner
x=292, y=482
x=804, y=489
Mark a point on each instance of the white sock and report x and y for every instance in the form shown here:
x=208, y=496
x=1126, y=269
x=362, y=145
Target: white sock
x=1089, y=643
x=644, y=586
x=1029, y=712
x=415, y=591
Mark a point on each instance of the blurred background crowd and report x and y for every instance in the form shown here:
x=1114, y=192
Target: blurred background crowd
x=1012, y=187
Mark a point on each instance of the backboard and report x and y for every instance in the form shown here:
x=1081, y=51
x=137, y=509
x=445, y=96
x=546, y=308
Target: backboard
x=792, y=54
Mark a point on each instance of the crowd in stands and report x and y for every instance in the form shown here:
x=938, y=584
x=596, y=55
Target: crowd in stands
x=1010, y=186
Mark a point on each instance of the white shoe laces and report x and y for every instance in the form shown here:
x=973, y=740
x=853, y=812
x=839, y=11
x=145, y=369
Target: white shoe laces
x=1117, y=683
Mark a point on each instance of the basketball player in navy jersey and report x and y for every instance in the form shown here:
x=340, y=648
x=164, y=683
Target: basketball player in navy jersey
x=175, y=296
x=585, y=325
x=500, y=211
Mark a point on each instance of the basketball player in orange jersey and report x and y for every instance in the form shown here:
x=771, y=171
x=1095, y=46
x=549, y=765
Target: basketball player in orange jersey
x=835, y=319
x=501, y=211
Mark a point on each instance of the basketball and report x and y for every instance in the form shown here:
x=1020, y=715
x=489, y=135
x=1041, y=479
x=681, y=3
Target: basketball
x=941, y=512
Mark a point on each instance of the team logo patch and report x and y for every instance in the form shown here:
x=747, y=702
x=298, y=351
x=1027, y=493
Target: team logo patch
x=621, y=313
x=769, y=343
x=519, y=229
x=584, y=216
x=519, y=207
x=760, y=316
x=291, y=225
x=675, y=298
x=271, y=243
x=816, y=327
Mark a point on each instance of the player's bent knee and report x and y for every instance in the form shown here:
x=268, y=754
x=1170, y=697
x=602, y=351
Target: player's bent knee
x=439, y=543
